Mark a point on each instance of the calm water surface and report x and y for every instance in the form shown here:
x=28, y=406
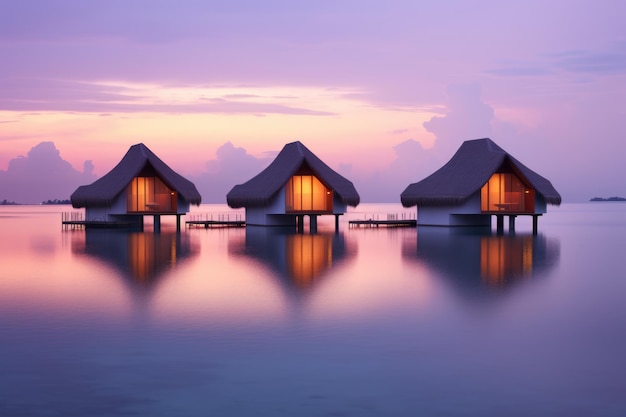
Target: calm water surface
x=366, y=322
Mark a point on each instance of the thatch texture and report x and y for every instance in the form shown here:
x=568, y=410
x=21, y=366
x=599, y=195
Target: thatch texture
x=260, y=190
x=468, y=170
x=104, y=191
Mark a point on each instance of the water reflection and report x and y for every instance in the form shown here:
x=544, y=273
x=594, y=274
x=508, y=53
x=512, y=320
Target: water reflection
x=299, y=260
x=475, y=259
x=140, y=257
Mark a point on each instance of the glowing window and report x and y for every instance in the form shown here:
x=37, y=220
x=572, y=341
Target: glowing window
x=505, y=192
x=150, y=194
x=307, y=193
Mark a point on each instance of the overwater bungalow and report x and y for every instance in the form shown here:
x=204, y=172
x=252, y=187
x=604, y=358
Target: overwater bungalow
x=296, y=184
x=140, y=184
x=480, y=181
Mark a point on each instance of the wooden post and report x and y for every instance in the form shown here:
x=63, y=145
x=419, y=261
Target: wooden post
x=178, y=223
x=336, y=223
x=312, y=223
x=499, y=224
x=300, y=221
x=512, y=223
x=157, y=223
x=535, y=217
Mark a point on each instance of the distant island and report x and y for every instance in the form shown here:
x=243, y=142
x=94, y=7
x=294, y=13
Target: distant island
x=6, y=202
x=608, y=199
x=55, y=201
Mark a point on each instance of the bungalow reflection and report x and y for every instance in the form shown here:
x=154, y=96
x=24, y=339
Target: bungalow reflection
x=300, y=260
x=475, y=258
x=142, y=257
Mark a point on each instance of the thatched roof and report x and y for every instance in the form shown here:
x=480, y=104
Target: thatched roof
x=260, y=190
x=102, y=192
x=468, y=170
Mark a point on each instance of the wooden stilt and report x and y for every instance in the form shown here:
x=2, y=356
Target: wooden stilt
x=499, y=224
x=157, y=223
x=312, y=223
x=512, y=223
x=535, y=218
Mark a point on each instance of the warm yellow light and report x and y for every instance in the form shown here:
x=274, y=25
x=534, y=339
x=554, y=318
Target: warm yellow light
x=306, y=193
x=308, y=256
x=306, y=184
x=502, y=258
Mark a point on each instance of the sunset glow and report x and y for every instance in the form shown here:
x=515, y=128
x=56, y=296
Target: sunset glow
x=259, y=119
x=384, y=95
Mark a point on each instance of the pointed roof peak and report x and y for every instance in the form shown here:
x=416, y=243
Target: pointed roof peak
x=469, y=169
x=260, y=190
x=298, y=145
x=485, y=142
x=104, y=190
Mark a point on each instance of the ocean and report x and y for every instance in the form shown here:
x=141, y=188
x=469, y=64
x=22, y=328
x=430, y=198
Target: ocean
x=363, y=322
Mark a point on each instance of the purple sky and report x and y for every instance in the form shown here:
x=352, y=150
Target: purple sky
x=384, y=92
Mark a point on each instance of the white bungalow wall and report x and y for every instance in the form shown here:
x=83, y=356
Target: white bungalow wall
x=275, y=213
x=338, y=206
x=182, y=206
x=119, y=208
x=541, y=206
x=104, y=213
x=270, y=215
x=467, y=214
x=96, y=213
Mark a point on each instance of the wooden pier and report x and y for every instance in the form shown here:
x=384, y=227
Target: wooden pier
x=386, y=223
x=75, y=220
x=215, y=220
x=390, y=220
x=95, y=224
x=215, y=223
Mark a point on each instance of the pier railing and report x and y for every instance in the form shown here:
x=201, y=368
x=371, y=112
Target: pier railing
x=76, y=219
x=221, y=217
x=384, y=219
x=73, y=219
x=207, y=220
